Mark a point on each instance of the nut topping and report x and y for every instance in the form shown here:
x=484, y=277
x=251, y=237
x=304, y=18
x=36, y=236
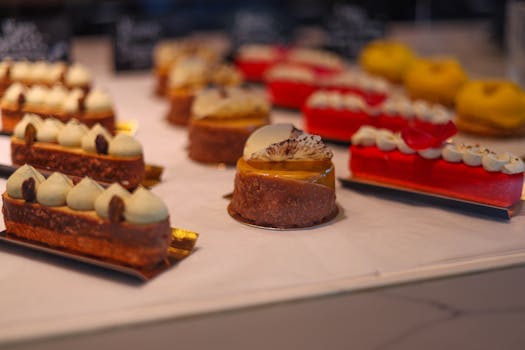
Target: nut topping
x=30, y=134
x=28, y=190
x=101, y=144
x=116, y=210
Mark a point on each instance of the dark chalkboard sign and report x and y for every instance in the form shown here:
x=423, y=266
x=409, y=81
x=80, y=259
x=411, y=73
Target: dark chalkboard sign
x=133, y=42
x=33, y=39
x=350, y=29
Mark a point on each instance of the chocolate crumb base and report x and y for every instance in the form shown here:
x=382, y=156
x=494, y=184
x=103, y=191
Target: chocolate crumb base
x=252, y=223
x=214, y=143
x=61, y=227
x=281, y=203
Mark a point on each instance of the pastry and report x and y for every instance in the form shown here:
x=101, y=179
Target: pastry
x=422, y=159
x=374, y=90
x=291, y=85
x=43, y=73
x=222, y=119
x=77, y=151
x=255, y=59
x=285, y=179
x=386, y=58
x=337, y=116
x=435, y=80
x=320, y=61
x=94, y=107
x=188, y=77
x=110, y=224
x=491, y=108
x=168, y=54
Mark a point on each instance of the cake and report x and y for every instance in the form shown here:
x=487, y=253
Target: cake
x=320, y=61
x=222, y=119
x=254, y=60
x=43, y=73
x=187, y=78
x=425, y=160
x=387, y=58
x=167, y=54
x=491, y=108
x=93, y=107
x=291, y=85
x=78, y=151
x=109, y=224
x=435, y=80
x=337, y=116
x=285, y=179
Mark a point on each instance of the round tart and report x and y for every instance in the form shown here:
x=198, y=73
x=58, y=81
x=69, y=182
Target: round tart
x=491, y=108
x=190, y=76
x=285, y=179
x=388, y=59
x=435, y=80
x=222, y=120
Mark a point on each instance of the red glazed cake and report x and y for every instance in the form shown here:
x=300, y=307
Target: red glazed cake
x=421, y=159
x=222, y=119
x=94, y=107
x=255, y=59
x=285, y=179
x=337, y=116
x=323, y=63
x=291, y=85
x=110, y=224
x=78, y=151
x=190, y=76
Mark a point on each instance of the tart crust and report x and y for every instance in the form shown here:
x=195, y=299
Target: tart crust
x=180, y=107
x=472, y=125
x=128, y=171
x=86, y=233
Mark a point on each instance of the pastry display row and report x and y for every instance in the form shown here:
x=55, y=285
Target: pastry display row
x=284, y=177
x=93, y=107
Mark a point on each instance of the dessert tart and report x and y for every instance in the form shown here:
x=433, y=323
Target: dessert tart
x=285, y=179
x=190, y=76
x=422, y=159
x=254, y=60
x=222, y=119
x=435, y=80
x=337, y=116
x=387, y=58
x=493, y=108
x=78, y=151
x=43, y=73
x=167, y=54
x=93, y=107
x=291, y=85
x=109, y=224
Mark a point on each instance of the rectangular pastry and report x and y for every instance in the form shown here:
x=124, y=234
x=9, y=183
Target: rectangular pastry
x=468, y=172
x=337, y=116
x=77, y=151
x=110, y=224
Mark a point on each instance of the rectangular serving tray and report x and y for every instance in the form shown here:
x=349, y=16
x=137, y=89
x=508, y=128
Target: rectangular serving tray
x=433, y=199
x=182, y=245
